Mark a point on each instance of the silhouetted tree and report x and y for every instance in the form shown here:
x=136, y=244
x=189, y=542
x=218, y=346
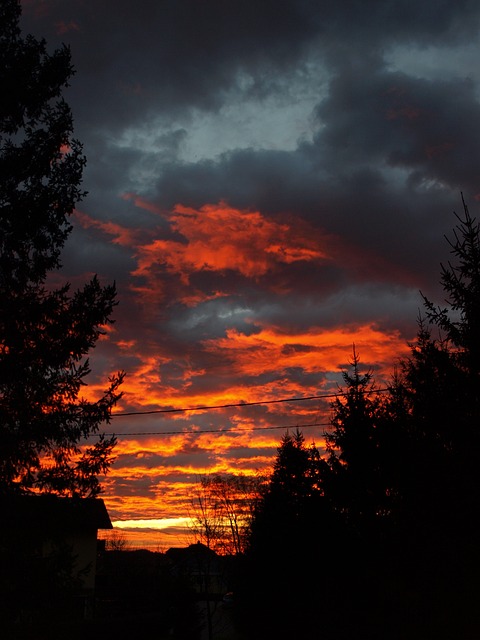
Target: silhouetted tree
x=221, y=513
x=282, y=588
x=360, y=488
x=291, y=496
x=45, y=332
x=401, y=474
x=295, y=471
x=441, y=385
x=441, y=413
x=354, y=481
x=459, y=321
x=222, y=509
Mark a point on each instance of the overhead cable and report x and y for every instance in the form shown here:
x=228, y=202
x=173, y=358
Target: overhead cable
x=239, y=404
x=216, y=431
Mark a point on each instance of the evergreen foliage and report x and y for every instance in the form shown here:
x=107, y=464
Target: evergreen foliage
x=440, y=383
x=396, y=493
x=291, y=498
x=353, y=479
x=440, y=483
x=285, y=547
x=46, y=332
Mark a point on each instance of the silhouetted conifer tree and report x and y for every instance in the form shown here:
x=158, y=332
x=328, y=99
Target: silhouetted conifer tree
x=402, y=474
x=354, y=481
x=292, y=494
x=441, y=381
x=292, y=522
x=45, y=332
x=438, y=418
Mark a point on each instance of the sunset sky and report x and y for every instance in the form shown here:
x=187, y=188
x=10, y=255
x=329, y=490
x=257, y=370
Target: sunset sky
x=268, y=184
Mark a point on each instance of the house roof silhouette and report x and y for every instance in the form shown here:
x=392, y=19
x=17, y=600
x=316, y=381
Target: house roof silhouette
x=48, y=512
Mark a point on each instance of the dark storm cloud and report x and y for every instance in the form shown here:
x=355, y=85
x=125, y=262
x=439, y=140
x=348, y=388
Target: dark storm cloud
x=188, y=52
x=177, y=56
x=371, y=124
x=173, y=54
x=381, y=118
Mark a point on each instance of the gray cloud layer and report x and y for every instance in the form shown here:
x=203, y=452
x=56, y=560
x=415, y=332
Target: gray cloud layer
x=384, y=146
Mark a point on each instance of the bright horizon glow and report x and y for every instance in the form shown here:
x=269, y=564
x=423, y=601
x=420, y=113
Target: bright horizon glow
x=162, y=523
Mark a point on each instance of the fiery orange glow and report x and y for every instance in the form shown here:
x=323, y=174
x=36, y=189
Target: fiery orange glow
x=152, y=461
x=214, y=238
x=269, y=350
x=168, y=438
x=220, y=238
x=314, y=351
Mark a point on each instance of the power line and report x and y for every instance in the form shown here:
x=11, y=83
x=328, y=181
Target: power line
x=218, y=431
x=232, y=429
x=239, y=404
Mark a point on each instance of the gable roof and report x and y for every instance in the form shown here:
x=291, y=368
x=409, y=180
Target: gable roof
x=49, y=512
x=192, y=555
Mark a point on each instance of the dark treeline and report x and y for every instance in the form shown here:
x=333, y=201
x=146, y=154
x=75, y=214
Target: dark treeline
x=378, y=537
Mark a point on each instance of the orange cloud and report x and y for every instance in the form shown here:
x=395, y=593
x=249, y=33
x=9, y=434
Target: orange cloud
x=214, y=238
x=153, y=460
x=153, y=475
x=220, y=238
x=317, y=350
x=242, y=356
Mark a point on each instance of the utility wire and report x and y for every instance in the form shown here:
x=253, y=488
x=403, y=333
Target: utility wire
x=239, y=404
x=232, y=429
x=218, y=431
